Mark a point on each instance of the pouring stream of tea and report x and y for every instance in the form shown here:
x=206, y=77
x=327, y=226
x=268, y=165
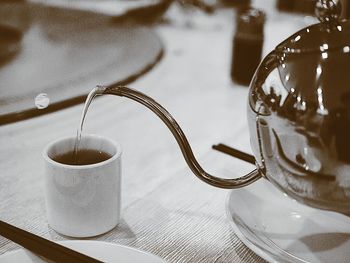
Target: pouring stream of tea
x=93, y=93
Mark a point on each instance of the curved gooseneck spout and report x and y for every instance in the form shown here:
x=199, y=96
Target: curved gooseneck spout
x=181, y=139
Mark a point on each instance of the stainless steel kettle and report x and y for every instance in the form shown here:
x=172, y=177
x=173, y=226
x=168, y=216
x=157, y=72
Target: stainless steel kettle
x=298, y=114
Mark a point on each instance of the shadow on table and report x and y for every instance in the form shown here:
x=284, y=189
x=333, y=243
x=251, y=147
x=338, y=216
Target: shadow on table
x=121, y=231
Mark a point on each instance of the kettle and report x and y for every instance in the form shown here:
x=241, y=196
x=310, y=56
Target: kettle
x=298, y=115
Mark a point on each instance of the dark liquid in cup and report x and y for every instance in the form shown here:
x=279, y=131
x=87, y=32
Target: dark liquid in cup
x=82, y=157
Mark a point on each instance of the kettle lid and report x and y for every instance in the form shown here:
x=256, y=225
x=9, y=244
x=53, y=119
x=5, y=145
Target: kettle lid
x=331, y=33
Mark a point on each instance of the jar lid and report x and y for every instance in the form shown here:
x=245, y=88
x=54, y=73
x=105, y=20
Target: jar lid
x=251, y=21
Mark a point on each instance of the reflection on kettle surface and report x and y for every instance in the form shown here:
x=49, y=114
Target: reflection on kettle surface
x=300, y=100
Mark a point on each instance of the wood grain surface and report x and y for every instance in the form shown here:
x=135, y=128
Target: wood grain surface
x=166, y=209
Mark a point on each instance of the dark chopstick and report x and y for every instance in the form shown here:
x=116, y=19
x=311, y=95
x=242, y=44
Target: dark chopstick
x=234, y=152
x=43, y=247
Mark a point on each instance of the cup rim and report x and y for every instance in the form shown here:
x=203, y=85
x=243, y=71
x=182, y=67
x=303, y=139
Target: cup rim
x=117, y=155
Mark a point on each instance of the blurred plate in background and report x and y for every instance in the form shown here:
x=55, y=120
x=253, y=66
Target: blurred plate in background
x=65, y=53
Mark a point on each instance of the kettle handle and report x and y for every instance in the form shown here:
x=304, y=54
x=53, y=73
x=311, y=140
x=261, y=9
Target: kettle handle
x=181, y=139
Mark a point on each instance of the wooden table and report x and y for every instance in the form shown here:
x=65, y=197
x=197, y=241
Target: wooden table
x=166, y=209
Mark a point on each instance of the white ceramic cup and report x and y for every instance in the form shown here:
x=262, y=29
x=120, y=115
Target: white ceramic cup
x=83, y=200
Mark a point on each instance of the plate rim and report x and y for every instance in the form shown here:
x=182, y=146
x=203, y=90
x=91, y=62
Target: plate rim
x=250, y=244
x=241, y=236
x=62, y=242
x=112, y=244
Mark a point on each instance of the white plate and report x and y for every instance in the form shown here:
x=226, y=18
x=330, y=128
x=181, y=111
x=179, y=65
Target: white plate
x=106, y=252
x=279, y=229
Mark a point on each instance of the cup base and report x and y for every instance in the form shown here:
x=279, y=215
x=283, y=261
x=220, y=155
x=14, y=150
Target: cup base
x=81, y=234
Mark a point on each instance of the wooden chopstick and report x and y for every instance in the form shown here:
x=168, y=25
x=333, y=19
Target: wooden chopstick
x=41, y=246
x=235, y=153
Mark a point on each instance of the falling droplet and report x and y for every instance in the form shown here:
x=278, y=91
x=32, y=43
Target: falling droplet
x=42, y=101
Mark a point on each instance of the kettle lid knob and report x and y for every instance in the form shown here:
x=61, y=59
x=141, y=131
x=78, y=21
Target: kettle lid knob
x=328, y=10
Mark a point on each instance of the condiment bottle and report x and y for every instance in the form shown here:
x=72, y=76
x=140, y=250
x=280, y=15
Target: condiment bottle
x=247, y=45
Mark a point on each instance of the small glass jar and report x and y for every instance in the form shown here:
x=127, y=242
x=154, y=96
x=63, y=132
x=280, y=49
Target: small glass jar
x=247, y=45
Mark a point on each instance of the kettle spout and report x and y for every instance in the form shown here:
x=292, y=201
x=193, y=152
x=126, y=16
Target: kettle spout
x=100, y=90
x=180, y=137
